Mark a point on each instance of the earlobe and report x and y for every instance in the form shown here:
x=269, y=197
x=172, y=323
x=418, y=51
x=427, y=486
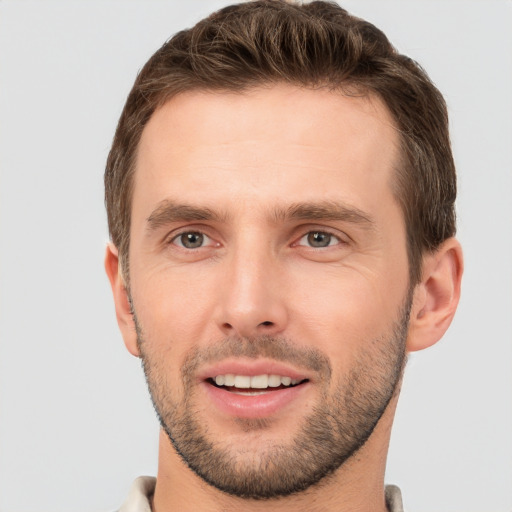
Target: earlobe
x=436, y=297
x=122, y=304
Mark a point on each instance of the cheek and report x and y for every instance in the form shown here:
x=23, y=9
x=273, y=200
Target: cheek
x=173, y=306
x=346, y=313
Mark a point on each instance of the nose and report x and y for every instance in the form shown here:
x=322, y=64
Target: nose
x=251, y=296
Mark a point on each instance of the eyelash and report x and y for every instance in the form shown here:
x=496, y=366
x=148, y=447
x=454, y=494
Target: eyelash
x=176, y=238
x=324, y=232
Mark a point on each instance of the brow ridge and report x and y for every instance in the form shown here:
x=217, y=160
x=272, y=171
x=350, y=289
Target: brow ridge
x=324, y=210
x=169, y=211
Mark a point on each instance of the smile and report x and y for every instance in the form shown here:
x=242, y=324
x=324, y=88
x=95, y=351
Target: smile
x=260, y=382
x=257, y=395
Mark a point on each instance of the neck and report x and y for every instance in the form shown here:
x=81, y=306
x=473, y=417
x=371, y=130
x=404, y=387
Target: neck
x=357, y=486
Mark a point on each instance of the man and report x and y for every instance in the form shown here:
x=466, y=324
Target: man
x=280, y=194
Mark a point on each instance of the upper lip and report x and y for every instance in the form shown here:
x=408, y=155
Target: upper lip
x=251, y=368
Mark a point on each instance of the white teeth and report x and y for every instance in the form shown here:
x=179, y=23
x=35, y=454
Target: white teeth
x=286, y=381
x=242, y=381
x=274, y=381
x=255, y=382
x=259, y=381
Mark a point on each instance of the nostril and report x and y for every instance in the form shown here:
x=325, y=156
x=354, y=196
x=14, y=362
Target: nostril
x=248, y=329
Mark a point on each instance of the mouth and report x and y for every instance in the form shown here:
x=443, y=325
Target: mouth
x=247, y=385
x=248, y=389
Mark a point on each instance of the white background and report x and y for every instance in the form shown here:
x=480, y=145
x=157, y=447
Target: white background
x=76, y=425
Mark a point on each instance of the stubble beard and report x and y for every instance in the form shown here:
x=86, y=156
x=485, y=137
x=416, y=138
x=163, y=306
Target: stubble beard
x=336, y=428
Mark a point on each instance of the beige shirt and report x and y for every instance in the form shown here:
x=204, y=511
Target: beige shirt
x=144, y=487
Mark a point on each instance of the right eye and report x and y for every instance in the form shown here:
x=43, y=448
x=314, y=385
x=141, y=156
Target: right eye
x=192, y=240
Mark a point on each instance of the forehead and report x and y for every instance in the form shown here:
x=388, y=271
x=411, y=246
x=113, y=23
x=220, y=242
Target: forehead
x=265, y=144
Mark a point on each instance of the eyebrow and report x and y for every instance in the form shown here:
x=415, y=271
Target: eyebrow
x=324, y=210
x=169, y=211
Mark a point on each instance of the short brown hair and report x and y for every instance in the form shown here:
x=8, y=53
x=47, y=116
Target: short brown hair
x=310, y=45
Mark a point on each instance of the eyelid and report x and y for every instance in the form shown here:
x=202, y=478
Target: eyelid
x=341, y=237
x=172, y=237
x=305, y=236
x=177, y=239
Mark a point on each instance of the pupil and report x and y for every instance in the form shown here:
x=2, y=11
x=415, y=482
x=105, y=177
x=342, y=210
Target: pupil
x=319, y=239
x=192, y=240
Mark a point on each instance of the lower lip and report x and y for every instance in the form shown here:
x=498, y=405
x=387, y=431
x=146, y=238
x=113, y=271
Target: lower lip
x=256, y=406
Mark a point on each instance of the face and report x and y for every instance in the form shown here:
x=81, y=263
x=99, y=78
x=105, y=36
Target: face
x=268, y=281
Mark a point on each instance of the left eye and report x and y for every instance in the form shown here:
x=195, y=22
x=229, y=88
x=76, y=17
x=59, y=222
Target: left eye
x=319, y=239
x=191, y=240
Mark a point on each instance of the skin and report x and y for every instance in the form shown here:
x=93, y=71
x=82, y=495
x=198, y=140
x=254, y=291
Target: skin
x=245, y=157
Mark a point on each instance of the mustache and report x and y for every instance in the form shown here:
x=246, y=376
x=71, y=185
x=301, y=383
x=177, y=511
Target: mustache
x=265, y=346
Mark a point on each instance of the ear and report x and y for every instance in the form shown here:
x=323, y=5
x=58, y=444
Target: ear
x=436, y=297
x=122, y=304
